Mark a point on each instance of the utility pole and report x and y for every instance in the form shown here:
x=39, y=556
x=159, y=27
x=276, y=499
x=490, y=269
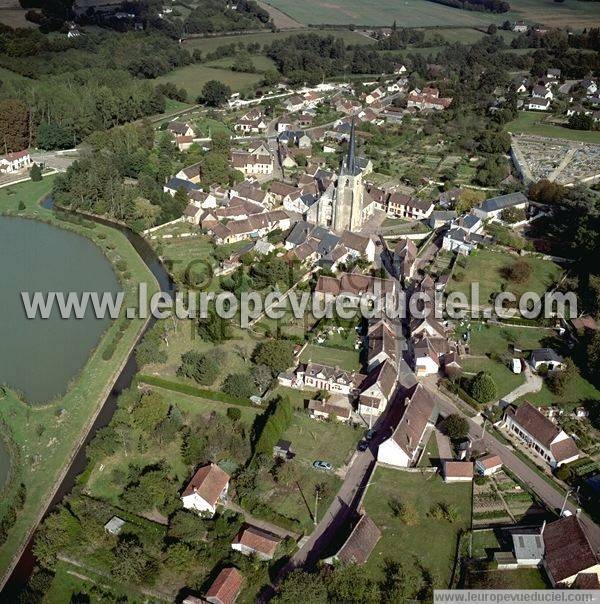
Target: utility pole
x=562, y=509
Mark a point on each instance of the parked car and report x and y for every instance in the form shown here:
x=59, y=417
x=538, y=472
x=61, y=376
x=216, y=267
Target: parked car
x=363, y=445
x=370, y=434
x=322, y=465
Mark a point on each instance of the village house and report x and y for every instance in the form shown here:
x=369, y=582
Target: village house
x=226, y=587
x=427, y=99
x=377, y=388
x=324, y=377
x=538, y=104
x=330, y=409
x=257, y=161
x=429, y=354
x=252, y=122
x=540, y=434
x=400, y=205
x=250, y=190
x=520, y=27
x=15, y=162
x=354, y=286
x=254, y=226
x=294, y=103
x=403, y=448
x=203, y=200
x=180, y=129
x=192, y=173
x=359, y=545
x=192, y=214
x=177, y=184
x=206, y=489
x=253, y=540
x=457, y=471
x=488, y=464
x=548, y=358
x=541, y=92
x=404, y=259
x=568, y=554
x=382, y=343
x=491, y=208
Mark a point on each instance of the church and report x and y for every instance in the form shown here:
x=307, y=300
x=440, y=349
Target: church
x=345, y=205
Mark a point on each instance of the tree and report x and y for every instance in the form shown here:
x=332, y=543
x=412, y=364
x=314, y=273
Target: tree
x=559, y=379
x=456, y=427
x=277, y=355
x=234, y=414
x=492, y=29
x=240, y=385
x=14, y=126
x=483, y=388
x=204, y=368
x=214, y=93
x=301, y=586
x=53, y=136
x=518, y=272
x=132, y=564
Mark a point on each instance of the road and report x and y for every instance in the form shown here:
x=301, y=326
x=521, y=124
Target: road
x=549, y=495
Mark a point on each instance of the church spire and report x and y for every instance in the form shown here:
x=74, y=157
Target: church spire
x=349, y=166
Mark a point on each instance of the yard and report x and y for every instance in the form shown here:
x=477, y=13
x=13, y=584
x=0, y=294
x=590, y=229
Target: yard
x=314, y=440
x=406, y=543
x=505, y=379
x=578, y=390
x=521, y=578
x=334, y=357
x=485, y=542
x=485, y=267
x=487, y=338
x=535, y=122
x=431, y=455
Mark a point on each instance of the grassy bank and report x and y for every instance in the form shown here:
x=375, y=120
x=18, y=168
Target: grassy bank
x=48, y=436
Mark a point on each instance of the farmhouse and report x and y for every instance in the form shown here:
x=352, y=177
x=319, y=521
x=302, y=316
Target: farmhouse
x=253, y=540
x=180, y=129
x=541, y=434
x=207, y=487
x=14, y=162
x=403, y=447
x=324, y=377
x=329, y=409
x=252, y=162
x=226, y=587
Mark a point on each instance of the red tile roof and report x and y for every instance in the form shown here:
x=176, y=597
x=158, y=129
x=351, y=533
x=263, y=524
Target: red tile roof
x=225, y=587
x=568, y=551
x=489, y=461
x=208, y=482
x=255, y=538
x=458, y=469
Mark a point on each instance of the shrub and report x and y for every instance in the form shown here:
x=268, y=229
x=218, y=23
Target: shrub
x=483, y=388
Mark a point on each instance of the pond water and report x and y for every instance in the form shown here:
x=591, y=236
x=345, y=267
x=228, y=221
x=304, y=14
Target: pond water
x=39, y=357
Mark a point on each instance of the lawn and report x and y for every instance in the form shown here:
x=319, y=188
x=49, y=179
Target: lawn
x=430, y=456
x=578, y=390
x=261, y=63
x=320, y=440
x=44, y=452
x=193, y=78
x=344, y=359
x=487, y=338
x=420, y=13
x=485, y=542
x=505, y=379
x=521, y=578
x=407, y=543
x=485, y=268
x=533, y=122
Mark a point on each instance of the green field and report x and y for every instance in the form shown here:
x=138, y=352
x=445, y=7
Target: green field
x=344, y=359
x=534, y=122
x=485, y=268
x=410, y=543
x=45, y=435
x=261, y=63
x=193, y=78
x=421, y=13
x=487, y=338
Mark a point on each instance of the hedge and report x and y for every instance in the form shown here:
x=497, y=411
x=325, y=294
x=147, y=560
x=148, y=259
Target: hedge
x=152, y=380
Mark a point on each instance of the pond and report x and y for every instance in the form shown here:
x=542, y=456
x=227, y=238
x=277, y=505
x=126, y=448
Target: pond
x=39, y=357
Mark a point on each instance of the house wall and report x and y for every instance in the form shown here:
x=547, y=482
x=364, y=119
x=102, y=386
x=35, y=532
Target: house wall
x=390, y=452
x=196, y=503
x=248, y=551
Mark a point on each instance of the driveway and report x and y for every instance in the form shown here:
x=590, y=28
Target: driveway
x=533, y=383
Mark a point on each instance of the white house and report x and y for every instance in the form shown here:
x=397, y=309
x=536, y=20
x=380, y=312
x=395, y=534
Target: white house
x=403, y=447
x=14, y=162
x=491, y=208
x=537, y=104
x=547, y=357
x=206, y=489
x=541, y=434
x=377, y=389
x=488, y=464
